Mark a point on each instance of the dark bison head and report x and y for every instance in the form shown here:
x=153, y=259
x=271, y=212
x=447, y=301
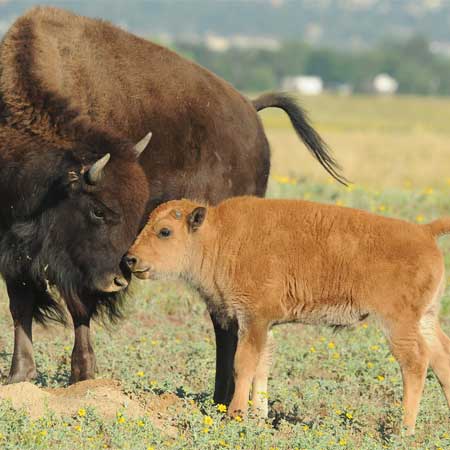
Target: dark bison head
x=74, y=214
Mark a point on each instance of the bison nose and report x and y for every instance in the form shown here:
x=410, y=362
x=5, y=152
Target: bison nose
x=131, y=261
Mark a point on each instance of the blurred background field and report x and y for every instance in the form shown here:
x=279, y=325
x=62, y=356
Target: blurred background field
x=380, y=142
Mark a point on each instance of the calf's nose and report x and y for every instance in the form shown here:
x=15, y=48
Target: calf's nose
x=131, y=261
x=120, y=282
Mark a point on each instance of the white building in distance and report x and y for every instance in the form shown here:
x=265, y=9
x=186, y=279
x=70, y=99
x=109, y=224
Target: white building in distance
x=385, y=84
x=306, y=85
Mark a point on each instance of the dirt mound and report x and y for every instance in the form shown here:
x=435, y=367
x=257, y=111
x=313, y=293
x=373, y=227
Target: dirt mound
x=105, y=396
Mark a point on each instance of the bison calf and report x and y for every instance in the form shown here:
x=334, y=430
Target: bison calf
x=265, y=262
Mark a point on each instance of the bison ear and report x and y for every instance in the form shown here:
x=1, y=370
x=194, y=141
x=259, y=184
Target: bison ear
x=142, y=145
x=196, y=218
x=94, y=174
x=71, y=180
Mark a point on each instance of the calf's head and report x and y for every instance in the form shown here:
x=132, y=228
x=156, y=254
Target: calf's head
x=167, y=242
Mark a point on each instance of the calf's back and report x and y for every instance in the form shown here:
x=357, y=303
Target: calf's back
x=311, y=262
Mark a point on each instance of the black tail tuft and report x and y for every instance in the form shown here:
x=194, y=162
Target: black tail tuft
x=304, y=130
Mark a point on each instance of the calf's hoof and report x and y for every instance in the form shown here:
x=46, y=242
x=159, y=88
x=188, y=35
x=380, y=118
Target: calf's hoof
x=408, y=430
x=236, y=412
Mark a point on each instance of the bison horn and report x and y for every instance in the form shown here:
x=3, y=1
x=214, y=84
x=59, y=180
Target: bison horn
x=95, y=172
x=142, y=144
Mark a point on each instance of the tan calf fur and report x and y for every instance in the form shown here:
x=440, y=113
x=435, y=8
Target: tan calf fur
x=266, y=262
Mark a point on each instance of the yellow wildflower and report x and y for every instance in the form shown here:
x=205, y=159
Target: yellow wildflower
x=121, y=419
x=375, y=348
x=312, y=350
x=391, y=359
x=81, y=412
x=77, y=427
x=380, y=378
x=369, y=365
x=43, y=433
x=331, y=345
x=205, y=430
x=342, y=442
x=349, y=416
x=222, y=408
x=238, y=419
x=140, y=423
x=140, y=373
x=420, y=218
x=208, y=421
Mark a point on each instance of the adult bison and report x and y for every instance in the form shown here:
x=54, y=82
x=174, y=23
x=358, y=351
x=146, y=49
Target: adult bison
x=75, y=95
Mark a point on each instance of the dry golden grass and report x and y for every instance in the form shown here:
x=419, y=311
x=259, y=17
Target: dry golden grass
x=378, y=141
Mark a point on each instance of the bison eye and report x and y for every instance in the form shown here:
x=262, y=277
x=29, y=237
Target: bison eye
x=164, y=233
x=97, y=214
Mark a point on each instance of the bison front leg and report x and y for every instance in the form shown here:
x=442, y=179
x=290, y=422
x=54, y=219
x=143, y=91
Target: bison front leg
x=83, y=356
x=226, y=343
x=21, y=305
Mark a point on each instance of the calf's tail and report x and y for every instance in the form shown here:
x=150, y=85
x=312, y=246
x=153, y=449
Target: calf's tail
x=439, y=227
x=304, y=130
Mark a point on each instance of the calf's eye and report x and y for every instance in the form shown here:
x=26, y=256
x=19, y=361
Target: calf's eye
x=164, y=233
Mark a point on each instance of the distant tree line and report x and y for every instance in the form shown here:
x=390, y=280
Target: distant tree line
x=411, y=63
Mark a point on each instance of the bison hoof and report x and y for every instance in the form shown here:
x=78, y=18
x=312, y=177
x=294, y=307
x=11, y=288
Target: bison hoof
x=21, y=376
x=75, y=378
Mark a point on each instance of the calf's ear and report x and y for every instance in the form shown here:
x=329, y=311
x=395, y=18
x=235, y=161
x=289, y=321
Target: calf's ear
x=196, y=218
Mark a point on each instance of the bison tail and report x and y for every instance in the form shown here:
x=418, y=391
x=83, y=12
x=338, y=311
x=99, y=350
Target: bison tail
x=439, y=227
x=304, y=130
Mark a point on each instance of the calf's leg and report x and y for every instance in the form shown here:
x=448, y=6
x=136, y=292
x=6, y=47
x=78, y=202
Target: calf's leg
x=251, y=343
x=21, y=305
x=226, y=343
x=440, y=360
x=412, y=353
x=259, y=388
x=83, y=357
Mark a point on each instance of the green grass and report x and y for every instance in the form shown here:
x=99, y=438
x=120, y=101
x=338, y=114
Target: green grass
x=326, y=391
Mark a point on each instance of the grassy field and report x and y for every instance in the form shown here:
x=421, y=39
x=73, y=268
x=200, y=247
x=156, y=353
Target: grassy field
x=380, y=142
x=327, y=390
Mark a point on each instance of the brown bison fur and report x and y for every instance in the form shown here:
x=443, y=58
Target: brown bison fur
x=73, y=89
x=266, y=262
